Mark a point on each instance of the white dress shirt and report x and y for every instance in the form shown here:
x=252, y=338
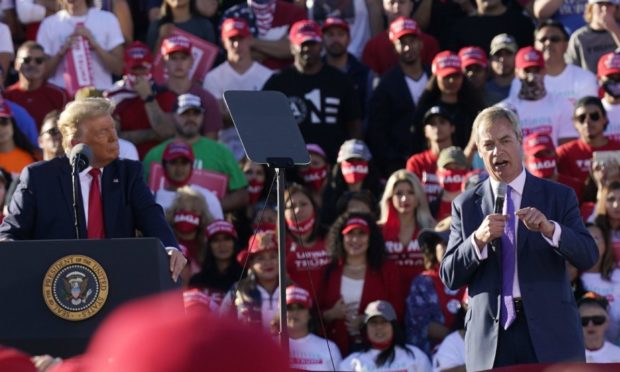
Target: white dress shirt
x=85, y=181
x=517, y=185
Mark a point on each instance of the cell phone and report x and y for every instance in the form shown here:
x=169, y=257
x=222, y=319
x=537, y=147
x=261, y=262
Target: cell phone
x=603, y=157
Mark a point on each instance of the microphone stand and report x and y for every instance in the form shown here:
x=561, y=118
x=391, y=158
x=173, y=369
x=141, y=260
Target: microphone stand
x=74, y=182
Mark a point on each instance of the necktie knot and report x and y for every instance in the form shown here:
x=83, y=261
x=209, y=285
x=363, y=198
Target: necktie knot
x=94, y=172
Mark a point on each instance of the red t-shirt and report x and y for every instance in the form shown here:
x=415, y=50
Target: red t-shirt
x=445, y=210
x=574, y=183
x=380, y=56
x=575, y=157
x=38, y=102
x=409, y=259
x=132, y=115
x=300, y=261
x=285, y=14
x=424, y=165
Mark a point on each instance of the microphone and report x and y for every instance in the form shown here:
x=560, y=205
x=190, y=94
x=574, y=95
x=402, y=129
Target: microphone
x=499, y=208
x=81, y=156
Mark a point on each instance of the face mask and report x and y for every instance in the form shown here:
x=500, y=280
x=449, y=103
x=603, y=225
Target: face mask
x=186, y=221
x=255, y=188
x=541, y=167
x=451, y=180
x=612, y=88
x=532, y=87
x=314, y=177
x=303, y=227
x=354, y=171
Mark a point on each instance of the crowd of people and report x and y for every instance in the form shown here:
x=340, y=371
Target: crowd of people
x=385, y=95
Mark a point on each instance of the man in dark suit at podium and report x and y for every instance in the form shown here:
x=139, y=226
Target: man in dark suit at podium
x=521, y=306
x=115, y=201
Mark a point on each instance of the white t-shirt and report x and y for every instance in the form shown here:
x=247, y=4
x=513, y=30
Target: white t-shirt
x=609, y=353
x=104, y=26
x=573, y=83
x=611, y=291
x=416, y=87
x=311, y=353
x=224, y=77
x=403, y=361
x=165, y=199
x=6, y=43
x=351, y=290
x=613, y=114
x=551, y=115
x=28, y=11
x=127, y=150
x=450, y=353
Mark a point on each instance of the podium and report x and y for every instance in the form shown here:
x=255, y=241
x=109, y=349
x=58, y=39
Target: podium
x=55, y=293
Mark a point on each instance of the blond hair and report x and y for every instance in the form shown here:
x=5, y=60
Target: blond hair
x=422, y=212
x=77, y=112
x=491, y=115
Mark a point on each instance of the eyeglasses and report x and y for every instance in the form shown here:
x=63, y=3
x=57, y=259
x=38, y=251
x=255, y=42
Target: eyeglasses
x=37, y=60
x=594, y=116
x=597, y=320
x=52, y=132
x=551, y=39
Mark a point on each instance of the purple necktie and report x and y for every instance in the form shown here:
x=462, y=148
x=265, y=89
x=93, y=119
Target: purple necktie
x=507, y=312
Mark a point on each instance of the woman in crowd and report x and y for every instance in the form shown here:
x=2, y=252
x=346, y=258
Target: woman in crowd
x=309, y=352
x=254, y=299
x=608, y=216
x=357, y=275
x=314, y=175
x=220, y=269
x=306, y=255
x=448, y=88
x=188, y=215
x=404, y=213
x=259, y=181
x=15, y=150
x=183, y=15
x=431, y=308
x=384, y=347
x=354, y=171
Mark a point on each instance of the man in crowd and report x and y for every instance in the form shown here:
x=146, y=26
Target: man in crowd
x=475, y=68
x=538, y=110
x=502, y=55
x=590, y=120
x=609, y=79
x=50, y=138
x=141, y=106
x=392, y=105
x=178, y=59
x=239, y=72
x=527, y=315
x=209, y=154
x=593, y=310
x=41, y=209
x=32, y=91
x=336, y=39
x=324, y=102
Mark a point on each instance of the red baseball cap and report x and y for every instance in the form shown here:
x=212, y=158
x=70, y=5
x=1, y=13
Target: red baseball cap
x=446, y=63
x=473, y=55
x=535, y=142
x=355, y=223
x=402, y=26
x=175, y=150
x=529, y=57
x=262, y=241
x=298, y=295
x=335, y=22
x=221, y=227
x=305, y=30
x=232, y=27
x=5, y=109
x=609, y=64
x=138, y=54
x=176, y=43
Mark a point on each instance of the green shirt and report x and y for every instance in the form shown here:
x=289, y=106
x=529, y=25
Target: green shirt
x=209, y=155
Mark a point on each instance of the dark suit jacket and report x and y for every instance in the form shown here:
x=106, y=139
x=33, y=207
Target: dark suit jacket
x=42, y=205
x=552, y=316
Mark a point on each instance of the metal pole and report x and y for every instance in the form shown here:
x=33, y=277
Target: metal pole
x=282, y=259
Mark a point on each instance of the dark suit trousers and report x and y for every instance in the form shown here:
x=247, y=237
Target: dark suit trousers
x=514, y=345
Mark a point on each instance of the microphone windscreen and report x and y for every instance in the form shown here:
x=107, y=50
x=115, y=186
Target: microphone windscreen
x=81, y=155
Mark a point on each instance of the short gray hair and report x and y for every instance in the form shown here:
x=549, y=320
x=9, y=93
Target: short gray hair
x=491, y=115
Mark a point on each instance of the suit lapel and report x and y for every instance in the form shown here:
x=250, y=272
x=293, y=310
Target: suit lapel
x=530, y=197
x=110, y=191
x=65, y=179
x=486, y=202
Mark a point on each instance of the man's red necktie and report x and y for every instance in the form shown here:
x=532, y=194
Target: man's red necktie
x=95, y=207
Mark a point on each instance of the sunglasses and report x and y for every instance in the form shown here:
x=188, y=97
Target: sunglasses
x=37, y=60
x=551, y=39
x=594, y=116
x=52, y=132
x=597, y=320
x=5, y=121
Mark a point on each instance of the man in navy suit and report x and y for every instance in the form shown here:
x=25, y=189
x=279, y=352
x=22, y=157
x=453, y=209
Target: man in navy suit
x=115, y=202
x=521, y=306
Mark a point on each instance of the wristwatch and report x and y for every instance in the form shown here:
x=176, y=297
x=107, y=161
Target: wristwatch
x=149, y=98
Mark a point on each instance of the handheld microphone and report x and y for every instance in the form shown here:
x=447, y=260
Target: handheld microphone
x=81, y=156
x=499, y=208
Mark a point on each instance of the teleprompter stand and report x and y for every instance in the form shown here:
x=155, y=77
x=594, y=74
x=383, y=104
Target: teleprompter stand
x=270, y=135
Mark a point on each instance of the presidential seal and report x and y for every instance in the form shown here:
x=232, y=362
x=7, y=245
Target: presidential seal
x=75, y=287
